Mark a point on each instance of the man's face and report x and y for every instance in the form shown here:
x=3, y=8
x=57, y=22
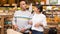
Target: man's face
x=23, y=4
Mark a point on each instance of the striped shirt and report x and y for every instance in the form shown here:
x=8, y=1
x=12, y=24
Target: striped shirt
x=21, y=19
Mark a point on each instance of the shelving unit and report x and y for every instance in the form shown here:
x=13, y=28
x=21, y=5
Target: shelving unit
x=52, y=13
x=3, y=25
x=6, y=16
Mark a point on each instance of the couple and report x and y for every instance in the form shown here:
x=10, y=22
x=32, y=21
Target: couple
x=22, y=21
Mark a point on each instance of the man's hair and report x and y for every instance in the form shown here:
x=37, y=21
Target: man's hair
x=23, y=0
x=39, y=7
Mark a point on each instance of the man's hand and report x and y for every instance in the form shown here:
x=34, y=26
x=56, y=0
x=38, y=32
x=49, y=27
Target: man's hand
x=30, y=22
x=15, y=27
x=23, y=30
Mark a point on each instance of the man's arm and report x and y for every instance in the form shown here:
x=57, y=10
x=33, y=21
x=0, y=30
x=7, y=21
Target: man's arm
x=14, y=20
x=14, y=24
x=29, y=21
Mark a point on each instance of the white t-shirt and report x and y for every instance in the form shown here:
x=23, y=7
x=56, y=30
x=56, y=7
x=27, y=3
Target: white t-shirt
x=39, y=18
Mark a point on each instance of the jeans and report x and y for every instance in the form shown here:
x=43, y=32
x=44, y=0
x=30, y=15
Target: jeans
x=36, y=32
x=25, y=33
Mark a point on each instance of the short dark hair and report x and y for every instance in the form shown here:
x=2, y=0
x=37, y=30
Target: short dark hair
x=23, y=0
x=39, y=7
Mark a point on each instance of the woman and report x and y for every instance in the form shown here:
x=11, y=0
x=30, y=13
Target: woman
x=38, y=21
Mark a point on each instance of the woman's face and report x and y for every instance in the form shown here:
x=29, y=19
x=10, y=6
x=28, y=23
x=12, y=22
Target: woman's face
x=36, y=9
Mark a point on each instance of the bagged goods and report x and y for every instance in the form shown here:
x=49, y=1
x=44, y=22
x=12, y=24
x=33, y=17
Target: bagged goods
x=11, y=31
x=52, y=31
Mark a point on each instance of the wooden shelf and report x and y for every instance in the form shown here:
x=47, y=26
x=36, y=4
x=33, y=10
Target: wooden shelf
x=2, y=18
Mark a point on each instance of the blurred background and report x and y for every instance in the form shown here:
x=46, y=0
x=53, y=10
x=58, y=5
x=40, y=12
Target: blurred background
x=51, y=8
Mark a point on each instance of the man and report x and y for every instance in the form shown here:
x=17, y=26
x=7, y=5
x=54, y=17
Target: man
x=21, y=18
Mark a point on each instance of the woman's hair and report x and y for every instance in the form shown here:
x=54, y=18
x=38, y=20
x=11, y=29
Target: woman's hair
x=39, y=7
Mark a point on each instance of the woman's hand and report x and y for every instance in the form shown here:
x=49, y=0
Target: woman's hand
x=23, y=30
x=38, y=25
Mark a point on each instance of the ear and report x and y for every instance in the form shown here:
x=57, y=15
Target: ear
x=20, y=5
x=38, y=9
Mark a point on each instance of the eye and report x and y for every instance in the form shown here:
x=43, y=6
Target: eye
x=23, y=4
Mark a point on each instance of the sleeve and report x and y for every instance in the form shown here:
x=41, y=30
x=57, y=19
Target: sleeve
x=14, y=19
x=30, y=7
x=44, y=21
x=29, y=25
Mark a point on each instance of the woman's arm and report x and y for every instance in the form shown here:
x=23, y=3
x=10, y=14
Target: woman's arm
x=38, y=25
x=42, y=24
